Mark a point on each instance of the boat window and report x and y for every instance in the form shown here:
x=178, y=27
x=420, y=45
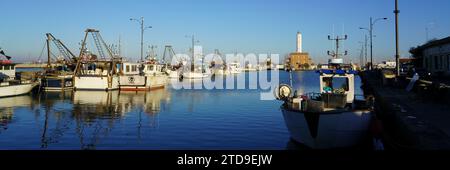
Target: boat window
x=1, y=67
x=127, y=68
x=7, y=67
x=335, y=83
x=133, y=68
x=340, y=83
x=150, y=67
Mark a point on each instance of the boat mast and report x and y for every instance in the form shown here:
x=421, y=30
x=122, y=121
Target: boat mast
x=193, y=58
x=48, y=51
x=336, y=54
x=83, y=46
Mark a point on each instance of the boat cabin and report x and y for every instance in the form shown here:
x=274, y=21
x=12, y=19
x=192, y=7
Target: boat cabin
x=335, y=84
x=131, y=68
x=7, y=71
x=152, y=69
x=337, y=92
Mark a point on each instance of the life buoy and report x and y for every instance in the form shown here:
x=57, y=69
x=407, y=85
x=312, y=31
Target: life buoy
x=68, y=84
x=131, y=80
x=283, y=92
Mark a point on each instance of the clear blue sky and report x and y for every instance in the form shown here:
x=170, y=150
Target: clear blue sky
x=247, y=26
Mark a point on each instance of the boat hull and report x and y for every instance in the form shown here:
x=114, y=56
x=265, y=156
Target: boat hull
x=16, y=90
x=142, y=83
x=325, y=131
x=96, y=83
x=57, y=83
x=191, y=75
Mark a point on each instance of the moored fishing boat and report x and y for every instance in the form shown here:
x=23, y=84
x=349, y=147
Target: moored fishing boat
x=58, y=75
x=143, y=76
x=10, y=85
x=96, y=72
x=332, y=118
x=156, y=77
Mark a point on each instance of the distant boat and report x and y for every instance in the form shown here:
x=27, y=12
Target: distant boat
x=235, y=68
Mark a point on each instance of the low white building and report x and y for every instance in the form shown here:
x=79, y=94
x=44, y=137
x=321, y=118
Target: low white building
x=387, y=64
x=434, y=56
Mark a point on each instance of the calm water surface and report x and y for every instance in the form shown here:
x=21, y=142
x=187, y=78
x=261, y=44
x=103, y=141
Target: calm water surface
x=160, y=119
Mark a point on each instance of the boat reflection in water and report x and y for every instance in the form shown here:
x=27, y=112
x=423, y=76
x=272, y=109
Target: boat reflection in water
x=7, y=106
x=92, y=115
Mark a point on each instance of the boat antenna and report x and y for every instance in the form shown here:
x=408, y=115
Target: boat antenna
x=335, y=54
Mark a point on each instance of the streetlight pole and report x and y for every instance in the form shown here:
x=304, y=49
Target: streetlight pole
x=141, y=22
x=370, y=29
x=397, y=55
x=371, y=44
x=365, y=48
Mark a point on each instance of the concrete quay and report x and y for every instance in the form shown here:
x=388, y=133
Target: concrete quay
x=415, y=120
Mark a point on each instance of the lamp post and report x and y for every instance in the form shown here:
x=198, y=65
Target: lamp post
x=397, y=55
x=141, y=22
x=370, y=29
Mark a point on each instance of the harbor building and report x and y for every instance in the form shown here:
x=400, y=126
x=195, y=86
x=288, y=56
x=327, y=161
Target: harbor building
x=433, y=56
x=299, y=60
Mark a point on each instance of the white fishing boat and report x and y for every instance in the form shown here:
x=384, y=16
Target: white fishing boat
x=220, y=70
x=156, y=77
x=96, y=72
x=249, y=68
x=194, y=75
x=194, y=72
x=332, y=118
x=218, y=66
x=174, y=74
x=142, y=76
x=9, y=84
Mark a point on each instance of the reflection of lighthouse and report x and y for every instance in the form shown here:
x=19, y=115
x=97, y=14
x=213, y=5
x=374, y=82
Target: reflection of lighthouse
x=299, y=42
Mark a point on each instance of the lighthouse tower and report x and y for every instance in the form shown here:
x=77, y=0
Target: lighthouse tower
x=299, y=42
x=299, y=60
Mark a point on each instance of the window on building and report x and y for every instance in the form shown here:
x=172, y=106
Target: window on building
x=7, y=67
x=448, y=62
x=133, y=68
x=127, y=68
x=1, y=67
x=436, y=62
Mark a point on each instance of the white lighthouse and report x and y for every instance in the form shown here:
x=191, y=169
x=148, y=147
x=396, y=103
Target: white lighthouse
x=299, y=42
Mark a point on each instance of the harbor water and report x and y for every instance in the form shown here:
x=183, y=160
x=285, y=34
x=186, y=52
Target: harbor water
x=158, y=119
